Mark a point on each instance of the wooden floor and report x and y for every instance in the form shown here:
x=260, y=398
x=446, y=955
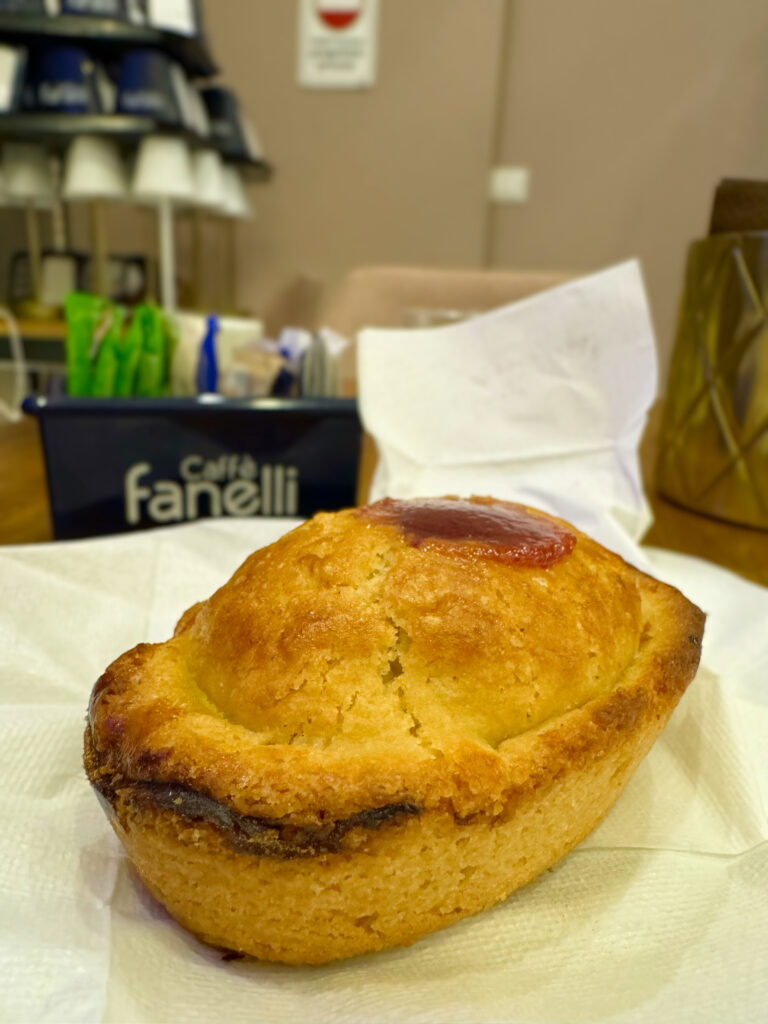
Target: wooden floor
x=25, y=515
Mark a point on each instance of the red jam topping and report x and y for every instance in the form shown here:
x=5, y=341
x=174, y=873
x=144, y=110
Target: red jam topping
x=476, y=528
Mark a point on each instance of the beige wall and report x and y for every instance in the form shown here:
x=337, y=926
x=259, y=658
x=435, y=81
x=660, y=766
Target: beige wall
x=396, y=173
x=626, y=112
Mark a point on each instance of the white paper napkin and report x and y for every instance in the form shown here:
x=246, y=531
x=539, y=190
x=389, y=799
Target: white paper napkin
x=662, y=914
x=543, y=401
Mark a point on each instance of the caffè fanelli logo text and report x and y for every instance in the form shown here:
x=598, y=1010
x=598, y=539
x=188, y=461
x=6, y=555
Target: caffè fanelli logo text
x=230, y=485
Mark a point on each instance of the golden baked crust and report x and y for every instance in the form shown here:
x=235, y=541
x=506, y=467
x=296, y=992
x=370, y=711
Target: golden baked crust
x=404, y=731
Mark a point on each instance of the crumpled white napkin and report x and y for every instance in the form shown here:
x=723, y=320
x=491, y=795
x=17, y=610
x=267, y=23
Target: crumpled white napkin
x=661, y=914
x=542, y=401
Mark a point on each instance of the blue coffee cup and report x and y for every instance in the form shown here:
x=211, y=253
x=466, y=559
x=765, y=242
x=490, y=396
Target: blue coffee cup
x=63, y=79
x=230, y=131
x=150, y=84
x=95, y=8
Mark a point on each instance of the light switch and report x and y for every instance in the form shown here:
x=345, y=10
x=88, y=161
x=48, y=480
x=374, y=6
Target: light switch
x=509, y=184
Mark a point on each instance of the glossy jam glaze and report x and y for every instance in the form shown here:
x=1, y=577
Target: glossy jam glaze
x=476, y=528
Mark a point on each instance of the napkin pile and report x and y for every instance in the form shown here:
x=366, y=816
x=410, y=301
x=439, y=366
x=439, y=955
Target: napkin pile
x=660, y=915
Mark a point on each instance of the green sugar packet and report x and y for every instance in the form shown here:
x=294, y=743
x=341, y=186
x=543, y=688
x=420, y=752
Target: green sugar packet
x=82, y=313
x=151, y=376
x=128, y=351
x=104, y=383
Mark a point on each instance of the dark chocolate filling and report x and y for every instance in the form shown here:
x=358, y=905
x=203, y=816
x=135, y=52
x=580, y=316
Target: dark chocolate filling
x=248, y=834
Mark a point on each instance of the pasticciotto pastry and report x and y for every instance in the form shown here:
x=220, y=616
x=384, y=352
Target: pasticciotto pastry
x=387, y=720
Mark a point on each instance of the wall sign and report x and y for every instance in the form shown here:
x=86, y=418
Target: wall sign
x=338, y=42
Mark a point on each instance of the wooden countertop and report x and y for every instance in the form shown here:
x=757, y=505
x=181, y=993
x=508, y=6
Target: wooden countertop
x=25, y=514
x=49, y=330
